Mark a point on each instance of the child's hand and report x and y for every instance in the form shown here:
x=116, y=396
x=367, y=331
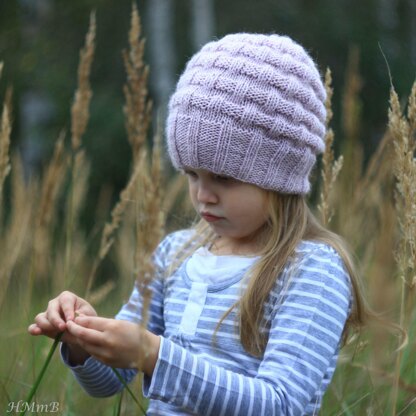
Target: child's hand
x=60, y=311
x=116, y=343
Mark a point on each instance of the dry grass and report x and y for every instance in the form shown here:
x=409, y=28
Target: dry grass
x=110, y=228
x=403, y=132
x=375, y=211
x=14, y=243
x=5, y=131
x=80, y=107
x=52, y=185
x=137, y=109
x=330, y=166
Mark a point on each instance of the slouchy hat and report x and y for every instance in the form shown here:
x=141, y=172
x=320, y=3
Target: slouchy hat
x=249, y=106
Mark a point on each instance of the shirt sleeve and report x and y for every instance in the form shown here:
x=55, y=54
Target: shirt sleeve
x=98, y=379
x=306, y=327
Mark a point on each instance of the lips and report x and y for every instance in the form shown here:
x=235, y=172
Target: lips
x=209, y=217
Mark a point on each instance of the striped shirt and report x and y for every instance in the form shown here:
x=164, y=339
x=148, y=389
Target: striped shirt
x=306, y=312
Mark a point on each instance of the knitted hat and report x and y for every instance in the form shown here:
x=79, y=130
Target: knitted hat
x=249, y=106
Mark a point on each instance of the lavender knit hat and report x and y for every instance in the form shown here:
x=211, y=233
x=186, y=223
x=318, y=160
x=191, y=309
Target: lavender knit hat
x=249, y=106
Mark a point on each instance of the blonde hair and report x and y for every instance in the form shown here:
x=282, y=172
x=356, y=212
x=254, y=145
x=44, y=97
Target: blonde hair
x=290, y=221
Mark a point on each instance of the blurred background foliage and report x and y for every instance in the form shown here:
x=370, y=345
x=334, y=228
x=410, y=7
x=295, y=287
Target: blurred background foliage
x=40, y=42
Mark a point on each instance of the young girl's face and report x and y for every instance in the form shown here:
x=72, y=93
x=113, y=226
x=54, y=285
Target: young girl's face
x=235, y=210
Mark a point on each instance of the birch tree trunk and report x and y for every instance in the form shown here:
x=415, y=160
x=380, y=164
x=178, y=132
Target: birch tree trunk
x=412, y=40
x=161, y=47
x=35, y=108
x=203, y=22
x=388, y=21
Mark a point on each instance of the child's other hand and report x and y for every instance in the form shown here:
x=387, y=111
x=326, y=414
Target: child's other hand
x=60, y=311
x=116, y=343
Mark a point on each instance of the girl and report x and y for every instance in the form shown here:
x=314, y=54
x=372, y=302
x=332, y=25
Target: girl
x=250, y=306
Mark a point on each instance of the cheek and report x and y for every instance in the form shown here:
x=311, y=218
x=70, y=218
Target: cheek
x=259, y=208
x=252, y=206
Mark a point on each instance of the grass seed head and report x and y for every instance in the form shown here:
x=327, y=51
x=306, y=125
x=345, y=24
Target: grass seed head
x=83, y=94
x=5, y=132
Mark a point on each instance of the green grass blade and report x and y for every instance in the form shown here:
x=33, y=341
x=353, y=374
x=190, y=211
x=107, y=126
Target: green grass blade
x=128, y=389
x=42, y=372
x=117, y=407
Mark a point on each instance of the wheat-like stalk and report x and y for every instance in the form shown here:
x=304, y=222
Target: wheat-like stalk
x=110, y=228
x=79, y=120
x=5, y=131
x=137, y=109
x=83, y=94
x=150, y=217
x=330, y=166
x=403, y=132
x=15, y=241
x=149, y=227
x=52, y=185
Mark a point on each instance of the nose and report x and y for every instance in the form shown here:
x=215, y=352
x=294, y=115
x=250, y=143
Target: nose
x=205, y=194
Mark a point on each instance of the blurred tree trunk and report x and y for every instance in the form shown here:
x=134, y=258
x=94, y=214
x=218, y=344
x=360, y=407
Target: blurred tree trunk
x=203, y=22
x=35, y=108
x=161, y=47
x=388, y=20
x=412, y=8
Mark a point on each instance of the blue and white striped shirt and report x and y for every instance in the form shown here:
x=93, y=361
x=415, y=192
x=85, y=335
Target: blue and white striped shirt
x=307, y=311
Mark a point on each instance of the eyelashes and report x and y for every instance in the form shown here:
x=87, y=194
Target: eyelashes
x=218, y=178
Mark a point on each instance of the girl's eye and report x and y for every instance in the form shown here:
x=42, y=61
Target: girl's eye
x=190, y=173
x=221, y=178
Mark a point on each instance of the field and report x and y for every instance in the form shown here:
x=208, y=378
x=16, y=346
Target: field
x=44, y=248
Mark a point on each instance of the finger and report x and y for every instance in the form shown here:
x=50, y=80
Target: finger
x=44, y=323
x=85, y=335
x=94, y=322
x=68, y=302
x=53, y=314
x=34, y=330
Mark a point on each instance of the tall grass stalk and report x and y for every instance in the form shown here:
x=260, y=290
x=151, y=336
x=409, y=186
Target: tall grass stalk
x=79, y=120
x=150, y=222
x=403, y=131
x=149, y=218
x=5, y=131
x=51, y=186
x=330, y=166
x=5, y=168
x=15, y=243
x=110, y=228
x=137, y=108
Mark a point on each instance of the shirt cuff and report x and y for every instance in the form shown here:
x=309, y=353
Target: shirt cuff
x=65, y=358
x=149, y=382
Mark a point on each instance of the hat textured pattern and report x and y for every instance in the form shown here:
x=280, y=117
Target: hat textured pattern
x=249, y=106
